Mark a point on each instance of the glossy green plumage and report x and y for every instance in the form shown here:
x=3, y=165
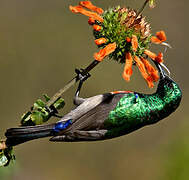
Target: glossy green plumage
x=106, y=116
x=137, y=110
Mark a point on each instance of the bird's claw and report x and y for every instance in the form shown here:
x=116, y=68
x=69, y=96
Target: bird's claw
x=82, y=75
x=51, y=110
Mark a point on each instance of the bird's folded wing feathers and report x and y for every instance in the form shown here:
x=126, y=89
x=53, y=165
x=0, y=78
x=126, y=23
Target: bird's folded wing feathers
x=93, y=112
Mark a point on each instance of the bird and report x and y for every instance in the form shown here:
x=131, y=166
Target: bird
x=106, y=116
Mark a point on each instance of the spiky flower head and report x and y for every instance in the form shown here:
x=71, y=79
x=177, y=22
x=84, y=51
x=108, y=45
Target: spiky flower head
x=129, y=31
x=125, y=36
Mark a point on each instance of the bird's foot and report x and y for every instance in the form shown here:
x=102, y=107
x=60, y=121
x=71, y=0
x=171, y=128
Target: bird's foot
x=82, y=75
x=52, y=111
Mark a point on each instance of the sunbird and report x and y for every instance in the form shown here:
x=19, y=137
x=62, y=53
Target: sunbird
x=106, y=116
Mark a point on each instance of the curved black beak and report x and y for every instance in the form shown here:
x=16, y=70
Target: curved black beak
x=162, y=70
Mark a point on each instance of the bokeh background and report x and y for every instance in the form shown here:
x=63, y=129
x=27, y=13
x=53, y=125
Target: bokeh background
x=41, y=42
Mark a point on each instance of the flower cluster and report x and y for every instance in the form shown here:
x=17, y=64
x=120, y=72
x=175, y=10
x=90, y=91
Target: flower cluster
x=123, y=35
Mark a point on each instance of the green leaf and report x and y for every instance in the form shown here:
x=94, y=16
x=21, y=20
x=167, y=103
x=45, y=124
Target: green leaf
x=39, y=117
x=47, y=98
x=39, y=113
x=59, y=103
x=152, y=3
x=6, y=156
x=3, y=159
x=26, y=116
x=39, y=104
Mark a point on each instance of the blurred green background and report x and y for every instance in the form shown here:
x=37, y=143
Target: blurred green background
x=41, y=42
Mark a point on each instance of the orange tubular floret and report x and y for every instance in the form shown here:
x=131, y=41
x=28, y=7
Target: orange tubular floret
x=89, y=5
x=155, y=40
x=142, y=69
x=134, y=42
x=150, y=69
x=150, y=54
x=159, y=58
x=128, y=67
x=99, y=56
x=161, y=36
x=91, y=21
x=79, y=9
x=97, y=27
x=100, y=41
x=128, y=39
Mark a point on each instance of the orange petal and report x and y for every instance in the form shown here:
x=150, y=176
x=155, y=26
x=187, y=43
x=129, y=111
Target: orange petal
x=128, y=67
x=79, y=9
x=149, y=81
x=150, y=54
x=134, y=42
x=155, y=76
x=161, y=36
x=100, y=41
x=153, y=56
x=89, y=5
x=150, y=69
x=142, y=69
x=91, y=21
x=128, y=39
x=155, y=40
x=99, y=56
x=159, y=58
x=97, y=27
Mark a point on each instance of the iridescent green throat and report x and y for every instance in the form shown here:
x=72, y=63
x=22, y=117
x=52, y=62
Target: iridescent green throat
x=137, y=110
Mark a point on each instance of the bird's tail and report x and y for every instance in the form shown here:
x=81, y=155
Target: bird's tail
x=20, y=135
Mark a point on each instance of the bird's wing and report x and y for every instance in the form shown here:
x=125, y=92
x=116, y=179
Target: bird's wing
x=94, y=112
x=86, y=106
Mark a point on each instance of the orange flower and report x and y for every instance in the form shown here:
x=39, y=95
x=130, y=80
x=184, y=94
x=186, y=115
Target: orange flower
x=129, y=44
x=99, y=56
x=142, y=69
x=100, y=41
x=91, y=21
x=89, y=5
x=128, y=39
x=150, y=54
x=134, y=42
x=153, y=56
x=97, y=27
x=79, y=9
x=150, y=69
x=128, y=67
x=159, y=58
x=159, y=38
x=155, y=40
